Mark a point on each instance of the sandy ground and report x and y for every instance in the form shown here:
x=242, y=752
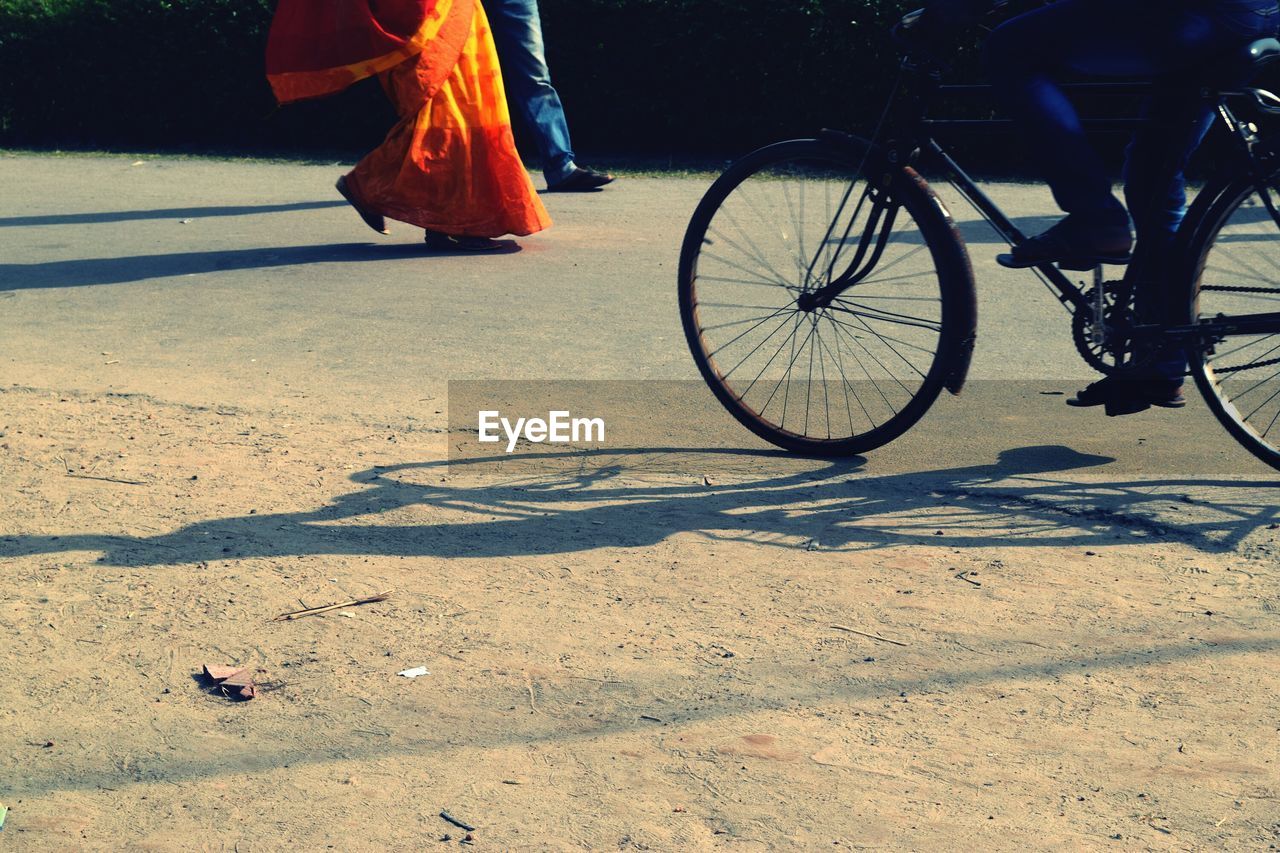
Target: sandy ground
x=994, y=638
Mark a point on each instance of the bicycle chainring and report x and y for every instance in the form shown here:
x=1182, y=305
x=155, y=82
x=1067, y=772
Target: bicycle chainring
x=1114, y=353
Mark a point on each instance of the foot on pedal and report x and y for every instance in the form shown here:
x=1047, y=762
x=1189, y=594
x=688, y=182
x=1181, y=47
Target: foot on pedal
x=1072, y=245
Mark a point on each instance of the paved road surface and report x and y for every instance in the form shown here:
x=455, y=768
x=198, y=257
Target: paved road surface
x=250, y=284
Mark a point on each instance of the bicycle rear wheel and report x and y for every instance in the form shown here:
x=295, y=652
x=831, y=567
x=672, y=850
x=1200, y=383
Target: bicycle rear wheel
x=1235, y=293
x=812, y=370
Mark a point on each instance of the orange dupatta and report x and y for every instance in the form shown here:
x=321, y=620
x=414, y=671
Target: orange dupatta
x=320, y=47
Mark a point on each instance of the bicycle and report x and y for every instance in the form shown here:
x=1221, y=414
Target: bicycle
x=814, y=266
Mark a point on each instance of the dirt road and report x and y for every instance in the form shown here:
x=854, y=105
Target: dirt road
x=219, y=402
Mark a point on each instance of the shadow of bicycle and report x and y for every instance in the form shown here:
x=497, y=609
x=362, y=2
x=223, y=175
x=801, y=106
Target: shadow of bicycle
x=580, y=501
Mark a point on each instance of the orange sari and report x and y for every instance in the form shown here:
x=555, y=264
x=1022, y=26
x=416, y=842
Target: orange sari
x=450, y=163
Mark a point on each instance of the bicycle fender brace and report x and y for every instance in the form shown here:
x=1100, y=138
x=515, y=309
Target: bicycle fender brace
x=885, y=166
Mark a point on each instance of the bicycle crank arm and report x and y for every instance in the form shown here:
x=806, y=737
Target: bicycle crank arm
x=1214, y=328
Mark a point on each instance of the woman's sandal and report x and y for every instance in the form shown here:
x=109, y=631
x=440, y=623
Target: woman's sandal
x=438, y=242
x=374, y=220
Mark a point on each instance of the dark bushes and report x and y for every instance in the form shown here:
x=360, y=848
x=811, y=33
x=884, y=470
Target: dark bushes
x=652, y=77
x=647, y=78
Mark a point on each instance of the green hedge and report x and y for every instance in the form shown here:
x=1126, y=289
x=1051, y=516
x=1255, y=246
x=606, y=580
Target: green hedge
x=652, y=77
x=647, y=78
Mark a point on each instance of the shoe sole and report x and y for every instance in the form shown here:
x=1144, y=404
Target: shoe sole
x=585, y=187
x=1010, y=262
x=446, y=245
x=1129, y=406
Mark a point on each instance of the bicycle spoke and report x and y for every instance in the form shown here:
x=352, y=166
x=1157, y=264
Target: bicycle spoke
x=785, y=374
x=863, y=367
x=730, y=323
x=924, y=350
x=1222, y=355
x=790, y=337
x=1274, y=394
x=754, y=253
x=887, y=316
x=903, y=358
x=717, y=351
x=746, y=198
x=846, y=387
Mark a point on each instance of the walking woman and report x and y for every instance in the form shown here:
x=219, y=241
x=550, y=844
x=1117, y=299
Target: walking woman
x=449, y=165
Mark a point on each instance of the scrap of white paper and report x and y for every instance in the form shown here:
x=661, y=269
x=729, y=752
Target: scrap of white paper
x=414, y=673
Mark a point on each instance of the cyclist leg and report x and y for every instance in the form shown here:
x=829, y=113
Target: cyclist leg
x=1176, y=120
x=1027, y=56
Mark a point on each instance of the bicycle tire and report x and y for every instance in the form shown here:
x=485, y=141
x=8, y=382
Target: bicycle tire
x=1237, y=374
x=940, y=280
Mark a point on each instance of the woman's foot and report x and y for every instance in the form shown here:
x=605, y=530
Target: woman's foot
x=438, y=242
x=372, y=219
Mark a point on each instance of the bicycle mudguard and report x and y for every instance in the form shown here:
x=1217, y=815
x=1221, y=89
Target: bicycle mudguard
x=848, y=141
x=962, y=305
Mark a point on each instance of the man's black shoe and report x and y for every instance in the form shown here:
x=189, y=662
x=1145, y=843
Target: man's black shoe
x=1072, y=246
x=1126, y=396
x=580, y=180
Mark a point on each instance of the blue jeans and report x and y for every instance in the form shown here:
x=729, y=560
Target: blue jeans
x=1175, y=43
x=517, y=33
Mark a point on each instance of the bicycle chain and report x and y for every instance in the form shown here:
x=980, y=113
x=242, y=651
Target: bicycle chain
x=1227, y=289
x=1238, y=368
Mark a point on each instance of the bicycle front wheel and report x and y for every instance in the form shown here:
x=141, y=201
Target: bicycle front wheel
x=1235, y=297
x=825, y=311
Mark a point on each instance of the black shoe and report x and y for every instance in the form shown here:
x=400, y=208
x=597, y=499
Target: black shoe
x=1072, y=246
x=1126, y=396
x=580, y=180
x=438, y=242
x=374, y=220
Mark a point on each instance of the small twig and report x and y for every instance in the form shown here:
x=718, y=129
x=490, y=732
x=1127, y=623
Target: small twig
x=533, y=709
x=312, y=611
x=105, y=479
x=649, y=718
x=865, y=634
x=453, y=820
x=963, y=576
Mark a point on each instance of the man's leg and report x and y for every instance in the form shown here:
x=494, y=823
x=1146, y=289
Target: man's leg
x=517, y=32
x=1177, y=118
x=1027, y=55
